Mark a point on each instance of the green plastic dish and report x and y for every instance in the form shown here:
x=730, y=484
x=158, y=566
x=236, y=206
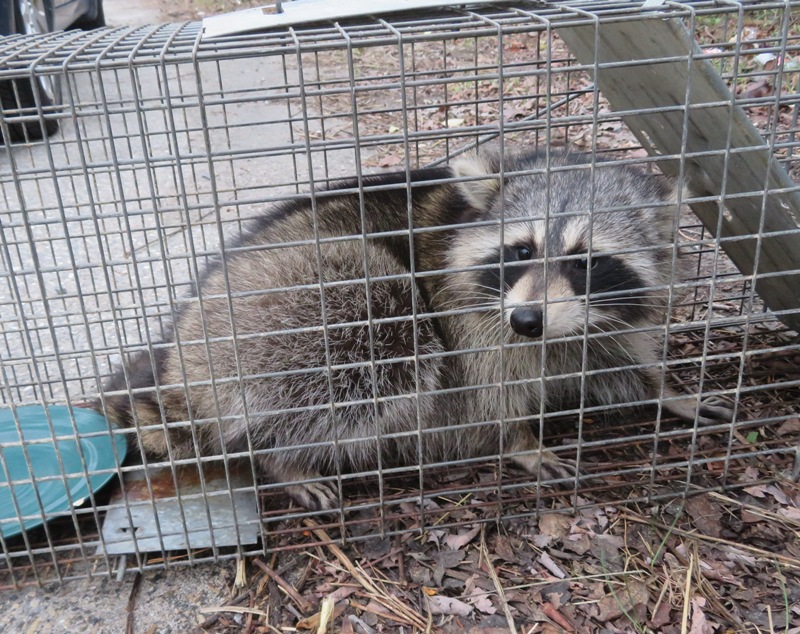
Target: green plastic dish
x=60, y=493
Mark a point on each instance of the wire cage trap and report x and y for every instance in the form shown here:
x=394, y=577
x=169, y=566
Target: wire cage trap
x=172, y=143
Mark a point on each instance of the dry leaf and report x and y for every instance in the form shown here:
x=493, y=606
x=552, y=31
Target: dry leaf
x=448, y=605
x=661, y=616
x=632, y=594
x=607, y=548
x=699, y=623
x=557, y=594
x=449, y=558
x=789, y=427
x=462, y=539
x=756, y=89
x=435, y=536
x=578, y=544
x=750, y=475
x=757, y=491
x=542, y=541
x=775, y=492
x=791, y=512
x=390, y=161
x=327, y=614
x=705, y=513
x=555, y=525
x=343, y=592
x=480, y=600
x=740, y=557
x=504, y=549
x=554, y=615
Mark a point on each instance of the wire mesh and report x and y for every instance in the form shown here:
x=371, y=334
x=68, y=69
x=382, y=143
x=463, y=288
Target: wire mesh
x=170, y=144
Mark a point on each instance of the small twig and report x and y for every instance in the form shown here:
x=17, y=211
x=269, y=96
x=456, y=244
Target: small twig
x=664, y=588
x=290, y=608
x=687, y=596
x=551, y=565
x=294, y=595
x=215, y=617
x=325, y=612
x=303, y=577
x=249, y=622
x=381, y=613
x=401, y=563
x=556, y=617
x=137, y=580
x=367, y=629
x=495, y=579
x=238, y=609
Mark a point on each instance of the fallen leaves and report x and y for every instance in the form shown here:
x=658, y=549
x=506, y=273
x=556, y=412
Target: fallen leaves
x=623, y=600
x=439, y=604
x=705, y=513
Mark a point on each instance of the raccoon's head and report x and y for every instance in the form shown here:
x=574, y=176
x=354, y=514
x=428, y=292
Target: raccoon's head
x=577, y=246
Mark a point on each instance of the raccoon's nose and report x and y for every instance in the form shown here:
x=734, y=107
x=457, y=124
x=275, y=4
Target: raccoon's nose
x=527, y=321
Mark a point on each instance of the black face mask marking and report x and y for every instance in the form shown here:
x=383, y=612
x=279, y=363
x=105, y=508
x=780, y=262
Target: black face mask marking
x=608, y=274
x=513, y=258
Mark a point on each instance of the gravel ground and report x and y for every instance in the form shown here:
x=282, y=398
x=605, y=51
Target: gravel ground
x=166, y=602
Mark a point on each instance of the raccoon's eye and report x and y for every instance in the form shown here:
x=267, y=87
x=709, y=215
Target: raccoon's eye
x=524, y=253
x=583, y=263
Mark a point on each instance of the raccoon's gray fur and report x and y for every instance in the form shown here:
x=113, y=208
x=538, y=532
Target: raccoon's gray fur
x=272, y=391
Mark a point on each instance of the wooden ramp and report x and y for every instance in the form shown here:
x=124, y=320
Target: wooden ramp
x=648, y=69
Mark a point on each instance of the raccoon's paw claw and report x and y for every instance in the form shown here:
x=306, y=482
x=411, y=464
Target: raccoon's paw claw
x=714, y=410
x=314, y=496
x=555, y=468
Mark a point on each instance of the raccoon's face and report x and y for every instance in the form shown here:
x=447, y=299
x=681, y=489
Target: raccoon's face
x=569, y=256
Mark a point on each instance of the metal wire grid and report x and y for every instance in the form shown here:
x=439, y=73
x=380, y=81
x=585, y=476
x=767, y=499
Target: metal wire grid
x=160, y=159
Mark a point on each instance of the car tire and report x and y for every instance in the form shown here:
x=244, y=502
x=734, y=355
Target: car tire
x=97, y=22
x=18, y=97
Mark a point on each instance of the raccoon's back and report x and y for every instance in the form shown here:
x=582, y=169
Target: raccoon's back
x=265, y=366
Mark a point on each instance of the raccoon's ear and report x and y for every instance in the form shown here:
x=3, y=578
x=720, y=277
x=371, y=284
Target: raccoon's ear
x=479, y=193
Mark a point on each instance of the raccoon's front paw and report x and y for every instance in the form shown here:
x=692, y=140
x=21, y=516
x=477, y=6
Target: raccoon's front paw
x=314, y=496
x=552, y=467
x=161, y=443
x=715, y=410
x=712, y=410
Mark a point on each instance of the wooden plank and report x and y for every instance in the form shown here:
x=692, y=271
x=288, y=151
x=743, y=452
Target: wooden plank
x=652, y=81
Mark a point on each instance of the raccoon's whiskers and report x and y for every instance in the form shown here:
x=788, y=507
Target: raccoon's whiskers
x=611, y=319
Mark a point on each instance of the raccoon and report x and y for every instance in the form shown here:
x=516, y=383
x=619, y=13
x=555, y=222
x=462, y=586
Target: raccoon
x=331, y=338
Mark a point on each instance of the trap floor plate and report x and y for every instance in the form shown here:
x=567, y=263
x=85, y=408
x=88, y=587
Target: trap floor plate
x=190, y=515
